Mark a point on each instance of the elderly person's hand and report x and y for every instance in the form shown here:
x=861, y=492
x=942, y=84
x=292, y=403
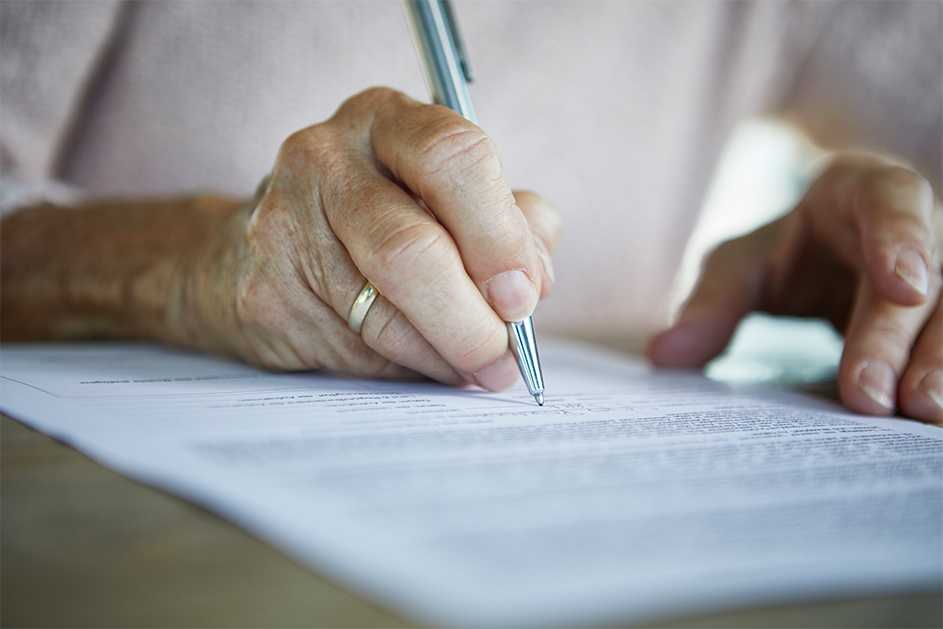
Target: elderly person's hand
x=408, y=196
x=861, y=249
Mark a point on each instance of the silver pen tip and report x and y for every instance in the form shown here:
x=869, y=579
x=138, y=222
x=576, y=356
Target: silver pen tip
x=540, y=398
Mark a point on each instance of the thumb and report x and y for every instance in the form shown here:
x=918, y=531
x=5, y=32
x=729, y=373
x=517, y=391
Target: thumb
x=728, y=289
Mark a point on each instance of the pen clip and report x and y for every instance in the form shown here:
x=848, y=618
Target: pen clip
x=457, y=41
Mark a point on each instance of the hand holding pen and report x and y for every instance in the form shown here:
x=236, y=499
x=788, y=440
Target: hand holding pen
x=278, y=280
x=448, y=71
x=364, y=253
x=414, y=253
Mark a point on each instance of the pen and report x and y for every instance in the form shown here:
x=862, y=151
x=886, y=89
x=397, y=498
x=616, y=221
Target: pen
x=449, y=73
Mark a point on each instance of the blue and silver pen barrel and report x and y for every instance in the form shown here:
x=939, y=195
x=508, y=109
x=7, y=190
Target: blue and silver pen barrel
x=443, y=54
x=524, y=347
x=448, y=74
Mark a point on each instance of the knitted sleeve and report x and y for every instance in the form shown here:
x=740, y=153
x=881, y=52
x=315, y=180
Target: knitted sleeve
x=873, y=80
x=50, y=53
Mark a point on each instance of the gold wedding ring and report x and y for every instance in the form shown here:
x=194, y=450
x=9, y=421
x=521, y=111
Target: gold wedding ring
x=358, y=312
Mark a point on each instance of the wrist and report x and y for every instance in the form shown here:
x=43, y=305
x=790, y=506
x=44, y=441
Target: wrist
x=200, y=301
x=107, y=270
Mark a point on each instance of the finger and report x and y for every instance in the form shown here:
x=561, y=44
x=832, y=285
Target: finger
x=895, y=208
x=729, y=288
x=453, y=166
x=544, y=224
x=312, y=330
x=391, y=334
x=920, y=394
x=884, y=224
x=313, y=335
x=416, y=265
x=387, y=331
x=877, y=348
x=288, y=328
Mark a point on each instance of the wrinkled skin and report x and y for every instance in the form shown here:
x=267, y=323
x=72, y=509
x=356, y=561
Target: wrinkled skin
x=413, y=198
x=861, y=249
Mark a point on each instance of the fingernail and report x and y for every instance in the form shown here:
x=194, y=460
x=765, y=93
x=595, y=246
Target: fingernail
x=512, y=294
x=498, y=376
x=932, y=385
x=877, y=380
x=912, y=268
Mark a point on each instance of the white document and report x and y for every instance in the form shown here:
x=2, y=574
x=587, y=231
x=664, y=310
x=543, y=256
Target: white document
x=629, y=497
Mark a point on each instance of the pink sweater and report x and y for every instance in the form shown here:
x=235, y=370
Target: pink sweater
x=614, y=111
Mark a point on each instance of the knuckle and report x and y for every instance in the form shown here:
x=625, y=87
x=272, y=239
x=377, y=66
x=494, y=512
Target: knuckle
x=480, y=346
x=313, y=146
x=893, y=332
x=418, y=245
x=451, y=148
x=367, y=99
x=900, y=177
x=897, y=191
x=357, y=115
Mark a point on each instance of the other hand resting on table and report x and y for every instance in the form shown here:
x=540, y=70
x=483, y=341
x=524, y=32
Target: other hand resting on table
x=861, y=249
